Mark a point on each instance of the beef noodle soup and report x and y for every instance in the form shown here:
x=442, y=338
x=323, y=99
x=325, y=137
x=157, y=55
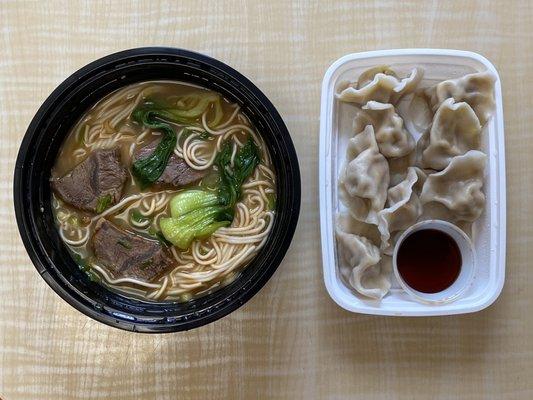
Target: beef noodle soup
x=163, y=191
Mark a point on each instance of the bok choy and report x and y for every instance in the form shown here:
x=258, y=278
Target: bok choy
x=156, y=116
x=148, y=170
x=197, y=213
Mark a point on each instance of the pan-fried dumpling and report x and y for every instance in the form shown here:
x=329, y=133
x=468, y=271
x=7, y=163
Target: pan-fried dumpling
x=364, y=179
x=392, y=138
x=455, y=130
x=458, y=187
x=384, y=87
x=360, y=264
x=403, y=209
x=475, y=89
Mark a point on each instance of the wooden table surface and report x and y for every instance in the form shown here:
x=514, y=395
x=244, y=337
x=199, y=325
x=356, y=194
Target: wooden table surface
x=290, y=341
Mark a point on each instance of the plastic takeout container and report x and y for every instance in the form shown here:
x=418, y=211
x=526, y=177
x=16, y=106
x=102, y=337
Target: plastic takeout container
x=488, y=232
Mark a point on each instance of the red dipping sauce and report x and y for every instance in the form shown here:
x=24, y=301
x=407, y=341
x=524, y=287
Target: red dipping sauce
x=429, y=260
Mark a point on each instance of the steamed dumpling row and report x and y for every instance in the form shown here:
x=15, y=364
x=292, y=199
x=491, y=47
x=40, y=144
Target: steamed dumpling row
x=383, y=152
x=381, y=84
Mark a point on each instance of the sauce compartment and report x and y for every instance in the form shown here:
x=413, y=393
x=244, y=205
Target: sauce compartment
x=488, y=232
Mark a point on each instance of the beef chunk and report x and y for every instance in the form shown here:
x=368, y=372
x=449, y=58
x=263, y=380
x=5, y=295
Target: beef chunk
x=95, y=183
x=177, y=172
x=128, y=255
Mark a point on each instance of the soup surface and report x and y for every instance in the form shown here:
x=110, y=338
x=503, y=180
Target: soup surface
x=163, y=191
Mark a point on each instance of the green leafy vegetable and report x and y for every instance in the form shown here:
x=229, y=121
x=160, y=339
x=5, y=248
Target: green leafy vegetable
x=210, y=181
x=231, y=179
x=271, y=197
x=190, y=107
x=197, y=214
x=82, y=263
x=197, y=224
x=137, y=216
x=190, y=200
x=103, y=203
x=93, y=277
x=205, y=135
x=156, y=116
x=187, y=109
x=148, y=170
x=156, y=234
x=162, y=239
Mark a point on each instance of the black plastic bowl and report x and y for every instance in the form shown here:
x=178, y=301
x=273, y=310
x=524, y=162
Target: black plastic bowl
x=38, y=152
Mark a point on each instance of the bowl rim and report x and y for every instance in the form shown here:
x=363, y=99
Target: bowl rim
x=124, y=321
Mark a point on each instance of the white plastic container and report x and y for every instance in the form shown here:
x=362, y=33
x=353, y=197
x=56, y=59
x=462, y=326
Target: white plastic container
x=489, y=231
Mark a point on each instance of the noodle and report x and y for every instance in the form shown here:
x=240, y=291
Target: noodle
x=208, y=263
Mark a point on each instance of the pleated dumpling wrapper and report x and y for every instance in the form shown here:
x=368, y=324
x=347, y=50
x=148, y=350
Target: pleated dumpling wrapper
x=476, y=89
x=391, y=136
x=403, y=209
x=380, y=84
x=458, y=187
x=455, y=130
x=362, y=265
x=364, y=179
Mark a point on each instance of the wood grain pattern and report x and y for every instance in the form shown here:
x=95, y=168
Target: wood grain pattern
x=290, y=341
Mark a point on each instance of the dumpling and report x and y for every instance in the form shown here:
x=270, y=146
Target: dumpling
x=392, y=138
x=362, y=140
x=399, y=166
x=403, y=209
x=435, y=210
x=348, y=224
x=458, y=187
x=421, y=145
x=416, y=113
x=455, y=130
x=364, y=179
x=360, y=264
x=385, y=88
x=368, y=76
x=475, y=89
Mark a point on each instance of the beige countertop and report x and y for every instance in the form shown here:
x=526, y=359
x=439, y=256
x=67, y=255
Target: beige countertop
x=290, y=341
